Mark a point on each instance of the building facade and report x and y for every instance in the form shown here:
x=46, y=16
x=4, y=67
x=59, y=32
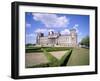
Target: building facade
x=56, y=39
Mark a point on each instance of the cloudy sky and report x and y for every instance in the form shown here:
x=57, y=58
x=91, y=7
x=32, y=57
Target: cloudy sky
x=45, y=22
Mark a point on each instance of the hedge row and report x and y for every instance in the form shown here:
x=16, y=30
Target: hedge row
x=63, y=61
x=57, y=49
x=48, y=49
x=53, y=61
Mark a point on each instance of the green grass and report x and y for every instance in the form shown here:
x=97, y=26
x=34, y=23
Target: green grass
x=33, y=49
x=63, y=61
x=79, y=56
x=72, y=57
x=49, y=49
x=53, y=60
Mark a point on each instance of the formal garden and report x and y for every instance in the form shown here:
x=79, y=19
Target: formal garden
x=56, y=56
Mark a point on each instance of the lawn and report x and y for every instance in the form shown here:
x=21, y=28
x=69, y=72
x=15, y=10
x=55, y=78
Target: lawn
x=79, y=56
x=47, y=56
x=56, y=56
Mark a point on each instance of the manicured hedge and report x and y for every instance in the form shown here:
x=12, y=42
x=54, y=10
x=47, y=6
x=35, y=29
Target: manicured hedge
x=48, y=49
x=63, y=61
x=56, y=49
x=53, y=60
x=32, y=50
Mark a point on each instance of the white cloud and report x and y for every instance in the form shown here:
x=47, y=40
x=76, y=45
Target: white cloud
x=40, y=30
x=65, y=31
x=51, y=30
x=28, y=25
x=51, y=20
x=76, y=27
x=43, y=30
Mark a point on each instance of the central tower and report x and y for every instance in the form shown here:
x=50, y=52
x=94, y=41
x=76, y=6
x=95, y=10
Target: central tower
x=52, y=38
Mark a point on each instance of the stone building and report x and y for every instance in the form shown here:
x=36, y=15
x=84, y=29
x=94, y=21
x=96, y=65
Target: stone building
x=56, y=39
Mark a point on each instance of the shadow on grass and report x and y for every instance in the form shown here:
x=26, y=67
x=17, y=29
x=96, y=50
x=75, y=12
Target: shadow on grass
x=66, y=58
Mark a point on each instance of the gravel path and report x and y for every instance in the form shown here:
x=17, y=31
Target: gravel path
x=35, y=58
x=38, y=58
x=58, y=54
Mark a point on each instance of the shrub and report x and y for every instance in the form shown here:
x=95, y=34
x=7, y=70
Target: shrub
x=33, y=49
x=48, y=49
x=53, y=60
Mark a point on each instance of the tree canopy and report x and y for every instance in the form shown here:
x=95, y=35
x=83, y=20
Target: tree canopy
x=85, y=41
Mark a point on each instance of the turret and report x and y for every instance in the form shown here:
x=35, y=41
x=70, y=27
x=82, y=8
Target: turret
x=51, y=33
x=73, y=32
x=38, y=37
x=73, y=37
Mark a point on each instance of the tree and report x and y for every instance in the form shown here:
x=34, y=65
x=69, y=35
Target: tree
x=29, y=44
x=85, y=41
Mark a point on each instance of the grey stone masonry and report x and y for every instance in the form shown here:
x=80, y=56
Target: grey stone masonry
x=56, y=39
